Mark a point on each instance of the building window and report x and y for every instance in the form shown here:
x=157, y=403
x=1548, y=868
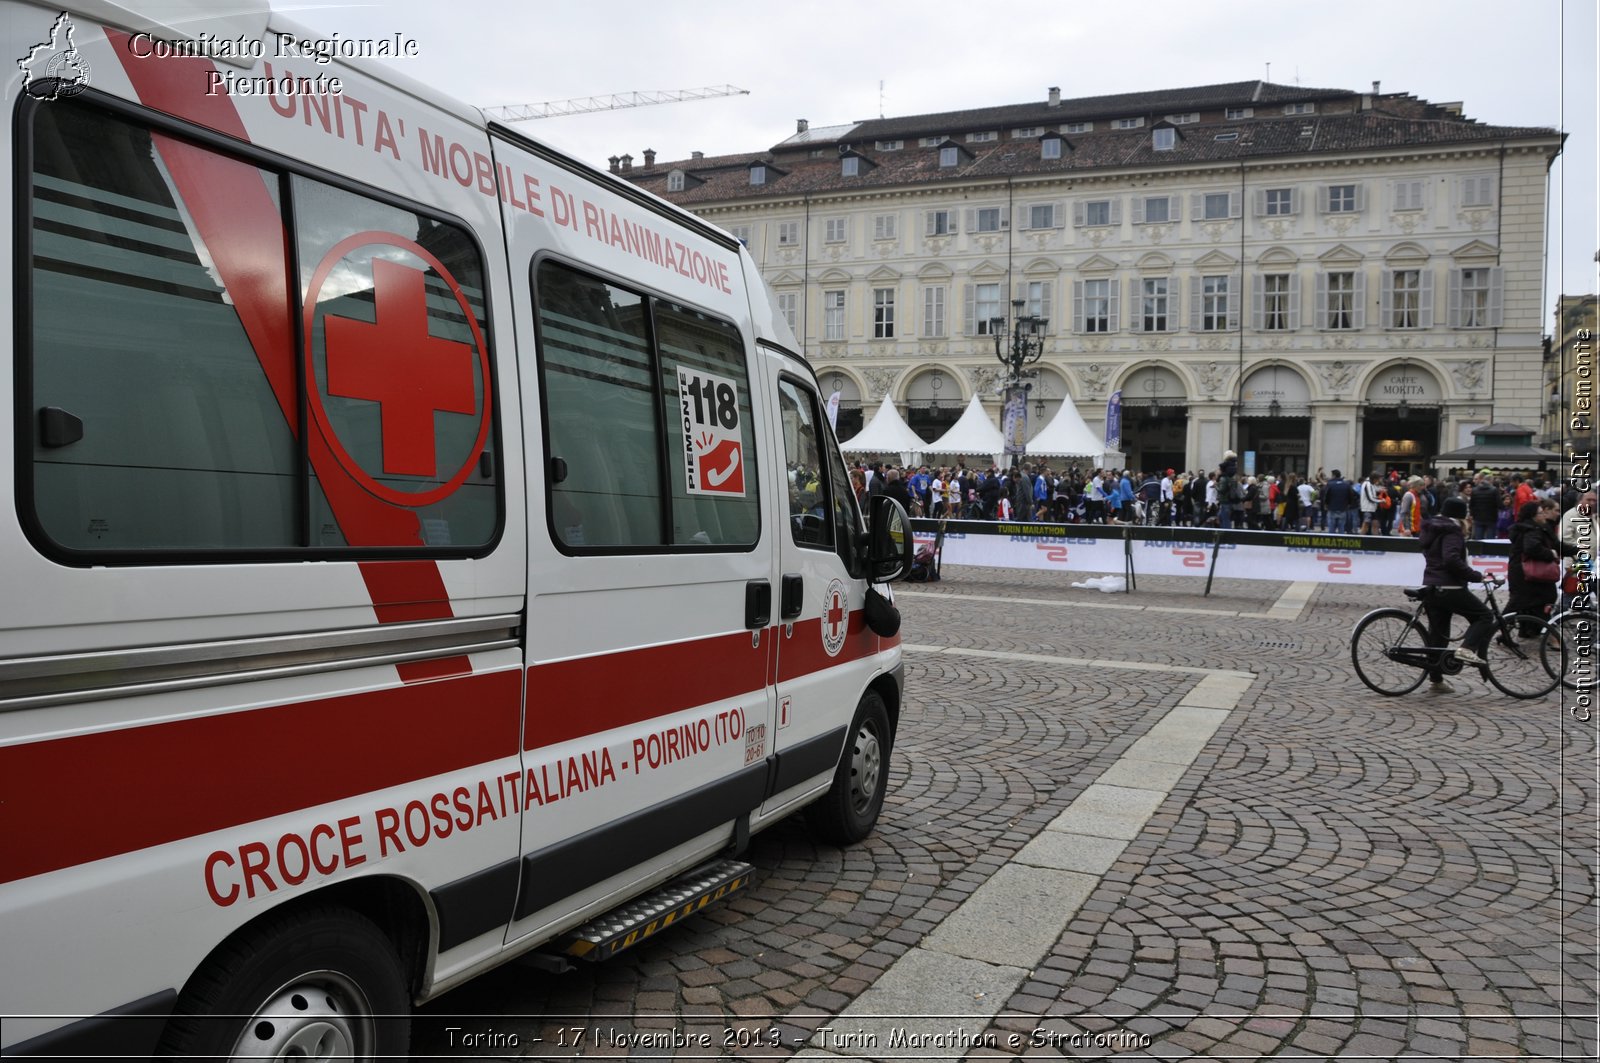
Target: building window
x=931, y=142
x=888, y=145
x=1475, y=297
x=885, y=226
x=1078, y=127
x=1477, y=191
x=949, y=156
x=1042, y=216
x=1155, y=209
x=1342, y=199
x=1164, y=139
x=788, y=233
x=1299, y=108
x=883, y=313
x=989, y=220
x=675, y=181
x=1339, y=306
x=1050, y=148
x=1127, y=123
x=940, y=223
x=834, y=230
x=1276, y=296
x=1099, y=212
x=933, y=311
x=1216, y=304
x=1095, y=306
x=1036, y=299
x=1407, y=195
x=982, y=138
x=1027, y=133
x=758, y=175
x=1184, y=119
x=1277, y=202
x=740, y=233
x=1154, y=304
x=833, y=315
x=1216, y=205
x=984, y=307
x=789, y=307
x=1235, y=113
x=1403, y=299
x=850, y=166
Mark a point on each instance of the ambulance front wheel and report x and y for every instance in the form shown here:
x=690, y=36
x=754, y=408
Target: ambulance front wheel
x=849, y=810
x=320, y=984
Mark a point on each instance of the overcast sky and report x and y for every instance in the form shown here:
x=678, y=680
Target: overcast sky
x=1531, y=63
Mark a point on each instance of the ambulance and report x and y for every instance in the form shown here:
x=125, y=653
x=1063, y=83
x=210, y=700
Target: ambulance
x=420, y=550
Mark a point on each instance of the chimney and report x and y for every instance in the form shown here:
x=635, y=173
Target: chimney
x=649, y=157
x=697, y=155
x=613, y=161
x=1375, y=85
x=801, y=125
x=1055, y=96
x=627, y=163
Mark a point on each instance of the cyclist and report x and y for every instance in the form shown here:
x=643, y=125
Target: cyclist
x=1444, y=549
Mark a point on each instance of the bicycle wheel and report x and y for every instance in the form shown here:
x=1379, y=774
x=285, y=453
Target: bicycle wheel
x=1526, y=667
x=1580, y=634
x=1377, y=634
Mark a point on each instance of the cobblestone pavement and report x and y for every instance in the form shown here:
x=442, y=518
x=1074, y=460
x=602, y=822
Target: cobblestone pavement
x=1333, y=875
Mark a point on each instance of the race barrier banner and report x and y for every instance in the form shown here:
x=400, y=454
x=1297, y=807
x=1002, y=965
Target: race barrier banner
x=1132, y=550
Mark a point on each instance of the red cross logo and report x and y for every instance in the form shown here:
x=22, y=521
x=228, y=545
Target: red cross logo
x=398, y=365
x=394, y=362
x=837, y=613
x=835, y=618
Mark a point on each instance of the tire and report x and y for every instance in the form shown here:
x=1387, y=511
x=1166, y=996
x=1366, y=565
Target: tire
x=1579, y=633
x=315, y=984
x=1526, y=668
x=849, y=810
x=1377, y=633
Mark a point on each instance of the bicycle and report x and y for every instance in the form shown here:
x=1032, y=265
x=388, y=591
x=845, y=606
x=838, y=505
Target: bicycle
x=1390, y=651
x=1580, y=631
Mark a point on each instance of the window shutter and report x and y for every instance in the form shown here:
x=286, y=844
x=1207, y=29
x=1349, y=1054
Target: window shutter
x=1044, y=298
x=1197, y=206
x=1194, y=304
x=1138, y=210
x=1057, y=216
x=1005, y=217
x=1322, y=199
x=1235, y=205
x=1116, y=212
x=1261, y=202
x=1077, y=306
x=1425, y=299
x=1175, y=209
x=1135, y=304
x=1361, y=201
x=1114, y=291
x=1495, y=300
x=972, y=220
x=969, y=293
x=1358, y=301
x=927, y=223
x=1454, y=298
x=1294, y=201
x=1174, y=304
x=1386, y=300
x=1294, y=301
x=1258, y=302
x=1322, y=300
x=1235, y=300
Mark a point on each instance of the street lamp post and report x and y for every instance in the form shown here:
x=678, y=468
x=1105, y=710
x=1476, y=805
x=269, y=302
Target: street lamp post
x=1025, y=348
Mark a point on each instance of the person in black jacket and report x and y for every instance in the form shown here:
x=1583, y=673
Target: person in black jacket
x=1485, y=505
x=1444, y=552
x=1533, y=539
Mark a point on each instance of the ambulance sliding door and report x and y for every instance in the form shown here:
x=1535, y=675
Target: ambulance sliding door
x=648, y=695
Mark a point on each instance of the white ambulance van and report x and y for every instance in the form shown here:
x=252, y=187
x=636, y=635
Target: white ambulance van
x=417, y=545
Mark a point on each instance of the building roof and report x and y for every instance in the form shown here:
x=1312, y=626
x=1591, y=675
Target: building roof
x=1343, y=121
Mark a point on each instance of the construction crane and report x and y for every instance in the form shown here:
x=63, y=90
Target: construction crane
x=527, y=112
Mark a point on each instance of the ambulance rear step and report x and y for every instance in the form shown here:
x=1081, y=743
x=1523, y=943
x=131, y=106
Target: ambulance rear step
x=624, y=927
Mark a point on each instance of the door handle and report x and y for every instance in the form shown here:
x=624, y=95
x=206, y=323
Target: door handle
x=794, y=589
x=757, y=604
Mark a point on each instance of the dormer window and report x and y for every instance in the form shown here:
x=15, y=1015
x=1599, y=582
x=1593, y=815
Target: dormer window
x=675, y=181
x=758, y=174
x=949, y=156
x=1050, y=148
x=1164, y=139
x=850, y=166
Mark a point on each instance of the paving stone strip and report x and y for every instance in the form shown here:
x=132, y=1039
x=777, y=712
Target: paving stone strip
x=1290, y=604
x=940, y=996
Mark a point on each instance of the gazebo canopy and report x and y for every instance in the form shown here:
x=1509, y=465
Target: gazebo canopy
x=1501, y=444
x=974, y=433
x=1067, y=436
x=886, y=433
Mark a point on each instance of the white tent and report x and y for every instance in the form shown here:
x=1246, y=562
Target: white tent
x=1066, y=436
x=886, y=433
x=974, y=433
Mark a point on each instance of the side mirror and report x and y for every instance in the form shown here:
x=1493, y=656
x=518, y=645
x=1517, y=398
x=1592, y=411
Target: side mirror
x=890, y=547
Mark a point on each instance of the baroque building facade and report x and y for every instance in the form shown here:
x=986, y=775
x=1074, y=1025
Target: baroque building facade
x=1311, y=277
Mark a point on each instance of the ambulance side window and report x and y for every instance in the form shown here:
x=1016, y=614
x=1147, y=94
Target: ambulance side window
x=190, y=401
x=647, y=420
x=810, y=522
